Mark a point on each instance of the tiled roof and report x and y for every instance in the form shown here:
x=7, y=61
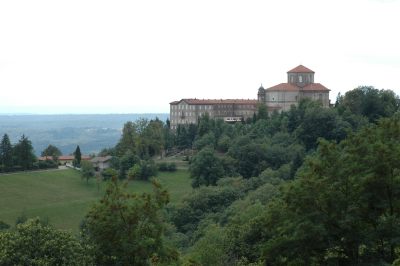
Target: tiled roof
x=216, y=101
x=71, y=157
x=44, y=158
x=101, y=159
x=63, y=158
x=300, y=69
x=315, y=87
x=284, y=87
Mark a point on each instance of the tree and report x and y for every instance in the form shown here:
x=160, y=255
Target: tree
x=127, y=228
x=87, y=170
x=78, y=157
x=128, y=141
x=262, y=111
x=206, y=168
x=52, y=151
x=343, y=208
x=143, y=170
x=33, y=243
x=6, y=153
x=23, y=153
x=370, y=102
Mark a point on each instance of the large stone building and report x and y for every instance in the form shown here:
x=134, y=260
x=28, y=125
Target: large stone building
x=187, y=111
x=300, y=84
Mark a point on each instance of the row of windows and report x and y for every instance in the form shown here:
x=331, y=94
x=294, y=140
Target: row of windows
x=216, y=113
x=209, y=107
x=190, y=107
x=186, y=121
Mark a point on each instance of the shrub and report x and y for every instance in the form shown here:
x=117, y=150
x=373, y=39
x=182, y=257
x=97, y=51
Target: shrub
x=166, y=167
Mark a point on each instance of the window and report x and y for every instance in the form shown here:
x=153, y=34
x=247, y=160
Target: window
x=300, y=78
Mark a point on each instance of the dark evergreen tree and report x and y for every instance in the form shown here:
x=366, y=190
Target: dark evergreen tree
x=23, y=153
x=78, y=156
x=6, y=155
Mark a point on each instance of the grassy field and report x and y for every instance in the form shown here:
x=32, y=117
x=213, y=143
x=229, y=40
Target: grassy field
x=63, y=198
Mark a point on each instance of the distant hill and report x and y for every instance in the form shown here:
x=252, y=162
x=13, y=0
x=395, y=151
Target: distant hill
x=92, y=132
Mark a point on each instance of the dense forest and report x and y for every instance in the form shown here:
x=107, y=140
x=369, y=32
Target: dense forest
x=311, y=186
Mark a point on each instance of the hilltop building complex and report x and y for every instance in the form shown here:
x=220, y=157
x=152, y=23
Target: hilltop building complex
x=300, y=84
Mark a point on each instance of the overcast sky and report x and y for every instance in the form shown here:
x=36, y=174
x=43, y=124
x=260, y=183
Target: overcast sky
x=137, y=56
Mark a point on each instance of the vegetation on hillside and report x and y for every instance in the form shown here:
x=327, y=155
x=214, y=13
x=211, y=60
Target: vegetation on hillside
x=310, y=186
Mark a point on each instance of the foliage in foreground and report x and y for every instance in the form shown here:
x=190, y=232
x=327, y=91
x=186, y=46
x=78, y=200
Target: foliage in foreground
x=127, y=228
x=33, y=243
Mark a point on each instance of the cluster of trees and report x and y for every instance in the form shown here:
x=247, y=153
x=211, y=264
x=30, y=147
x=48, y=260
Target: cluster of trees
x=311, y=186
x=16, y=157
x=140, y=142
x=20, y=156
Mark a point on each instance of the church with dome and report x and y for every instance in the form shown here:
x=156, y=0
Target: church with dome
x=300, y=84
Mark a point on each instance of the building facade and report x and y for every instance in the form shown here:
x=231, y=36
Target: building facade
x=188, y=111
x=300, y=84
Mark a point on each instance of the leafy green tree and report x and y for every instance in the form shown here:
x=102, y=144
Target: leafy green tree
x=109, y=173
x=33, y=243
x=152, y=139
x=143, y=170
x=87, y=170
x=344, y=207
x=126, y=162
x=204, y=124
x=78, y=157
x=52, y=151
x=206, y=140
x=369, y=102
x=250, y=155
x=262, y=111
x=319, y=122
x=206, y=168
x=201, y=203
x=6, y=153
x=127, y=228
x=128, y=141
x=23, y=153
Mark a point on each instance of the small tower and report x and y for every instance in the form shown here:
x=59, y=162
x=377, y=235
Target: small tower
x=261, y=94
x=300, y=76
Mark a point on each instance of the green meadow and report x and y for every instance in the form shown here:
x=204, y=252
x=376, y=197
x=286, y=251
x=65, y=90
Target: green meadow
x=64, y=198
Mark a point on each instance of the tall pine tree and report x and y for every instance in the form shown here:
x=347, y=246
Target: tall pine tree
x=6, y=153
x=78, y=156
x=23, y=153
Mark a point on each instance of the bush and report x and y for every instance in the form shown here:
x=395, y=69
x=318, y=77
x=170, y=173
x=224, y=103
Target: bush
x=45, y=164
x=33, y=243
x=143, y=170
x=171, y=167
x=162, y=166
x=109, y=173
x=4, y=226
x=166, y=167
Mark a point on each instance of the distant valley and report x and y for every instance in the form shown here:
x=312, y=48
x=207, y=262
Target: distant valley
x=92, y=132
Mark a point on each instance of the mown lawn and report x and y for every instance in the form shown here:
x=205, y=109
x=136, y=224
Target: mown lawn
x=63, y=198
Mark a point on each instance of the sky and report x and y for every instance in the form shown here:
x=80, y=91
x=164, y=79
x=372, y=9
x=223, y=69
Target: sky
x=137, y=56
